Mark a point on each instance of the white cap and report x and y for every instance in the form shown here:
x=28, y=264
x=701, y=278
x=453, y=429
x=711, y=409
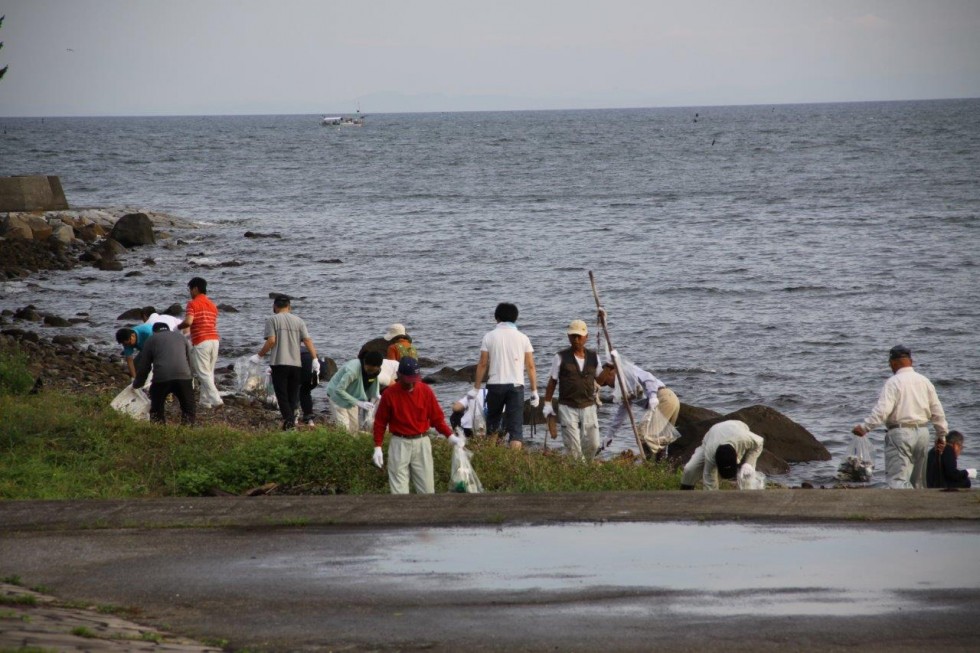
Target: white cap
x=395, y=330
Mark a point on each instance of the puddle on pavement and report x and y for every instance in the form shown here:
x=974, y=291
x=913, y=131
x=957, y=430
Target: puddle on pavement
x=710, y=569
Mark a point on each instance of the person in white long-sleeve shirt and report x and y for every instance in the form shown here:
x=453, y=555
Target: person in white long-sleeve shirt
x=725, y=447
x=655, y=391
x=907, y=404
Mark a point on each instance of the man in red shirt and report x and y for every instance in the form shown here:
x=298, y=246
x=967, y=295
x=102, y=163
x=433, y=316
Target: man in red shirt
x=408, y=409
x=202, y=319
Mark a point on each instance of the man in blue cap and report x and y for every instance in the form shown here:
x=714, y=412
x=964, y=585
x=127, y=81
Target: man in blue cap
x=906, y=405
x=408, y=409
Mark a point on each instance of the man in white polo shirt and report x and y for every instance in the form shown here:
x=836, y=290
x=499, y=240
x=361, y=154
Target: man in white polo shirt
x=906, y=405
x=508, y=354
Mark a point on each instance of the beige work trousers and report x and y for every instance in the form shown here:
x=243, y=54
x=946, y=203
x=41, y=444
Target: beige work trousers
x=579, y=430
x=347, y=418
x=410, y=458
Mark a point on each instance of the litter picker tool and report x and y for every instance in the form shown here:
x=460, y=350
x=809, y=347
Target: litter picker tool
x=619, y=369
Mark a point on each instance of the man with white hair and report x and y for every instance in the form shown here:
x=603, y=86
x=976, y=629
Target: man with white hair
x=907, y=404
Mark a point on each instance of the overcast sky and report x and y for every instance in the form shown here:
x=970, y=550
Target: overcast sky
x=134, y=57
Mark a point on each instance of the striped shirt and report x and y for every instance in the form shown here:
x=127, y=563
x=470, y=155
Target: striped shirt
x=205, y=325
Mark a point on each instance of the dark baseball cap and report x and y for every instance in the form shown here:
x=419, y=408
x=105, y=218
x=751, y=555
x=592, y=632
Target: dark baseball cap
x=726, y=458
x=408, y=370
x=899, y=351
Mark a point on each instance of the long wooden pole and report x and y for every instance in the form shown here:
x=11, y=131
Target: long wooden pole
x=619, y=371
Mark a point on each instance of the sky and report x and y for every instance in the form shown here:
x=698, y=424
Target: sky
x=193, y=57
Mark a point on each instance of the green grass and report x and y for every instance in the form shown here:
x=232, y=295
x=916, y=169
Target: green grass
x=64, y=446
x=14, y=377
x=19, y=599
x=83, y=631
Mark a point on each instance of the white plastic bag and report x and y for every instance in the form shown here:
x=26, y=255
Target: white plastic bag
x=656, y=430
x=750, y=479
x=367, y=417
x=132, y=402
x=389, y=372
x=463, y=477
x=859, y=465
x=255, y=380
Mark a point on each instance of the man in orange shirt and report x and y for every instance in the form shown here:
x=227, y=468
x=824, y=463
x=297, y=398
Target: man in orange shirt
x=201, y=318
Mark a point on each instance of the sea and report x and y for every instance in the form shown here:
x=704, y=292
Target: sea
x=744, y=254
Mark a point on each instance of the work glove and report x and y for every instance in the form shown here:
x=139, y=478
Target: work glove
x=457, y=440
x=365, y=405
x=378, y=458
x=534, y=399
x=472, y=393
x=746, y=471
x=652, y=402
x=316, y=368
x=971, y=473
x=254, y=359
x=548, y=410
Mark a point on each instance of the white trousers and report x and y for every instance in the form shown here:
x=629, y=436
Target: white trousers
x=347, y=418
x=410, y=458
x=204, y=357
x=579, y=430
x=906, y=450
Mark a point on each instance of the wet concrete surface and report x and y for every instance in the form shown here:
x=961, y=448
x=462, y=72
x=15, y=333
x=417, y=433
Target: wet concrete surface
x=566, y=584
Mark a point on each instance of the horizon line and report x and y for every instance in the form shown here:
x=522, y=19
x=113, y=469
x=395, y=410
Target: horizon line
x=431, y=111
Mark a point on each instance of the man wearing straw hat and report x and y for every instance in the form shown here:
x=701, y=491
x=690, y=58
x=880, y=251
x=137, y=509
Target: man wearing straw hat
x=573, y=372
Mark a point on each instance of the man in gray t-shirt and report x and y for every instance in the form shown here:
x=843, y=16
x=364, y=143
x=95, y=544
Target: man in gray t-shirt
x=283, y=334
x=168, y=354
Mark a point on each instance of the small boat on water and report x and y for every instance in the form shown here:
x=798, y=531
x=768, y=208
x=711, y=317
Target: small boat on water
x=356, y=120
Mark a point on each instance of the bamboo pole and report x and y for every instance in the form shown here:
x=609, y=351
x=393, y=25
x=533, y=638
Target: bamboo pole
x=619, y=371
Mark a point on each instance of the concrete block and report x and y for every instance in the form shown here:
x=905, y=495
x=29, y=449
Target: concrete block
x=32, y=193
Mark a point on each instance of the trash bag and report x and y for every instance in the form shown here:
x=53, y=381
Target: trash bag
x=859, y=465
x=255, y=380
x=367, y=417
x=463, y=477
x=751, y=480
x=250, y=377
x=132, y=402
x=656, y=430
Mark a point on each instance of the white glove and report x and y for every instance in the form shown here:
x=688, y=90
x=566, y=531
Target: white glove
x=316, y=368
x=971, y=473
x=472, y=393
x=652, y=402
x=254, y=359
x=365, y=405
x=548, y=410
x=534, y=399
x=378, y=458
x=456, y=440
x=746, y=471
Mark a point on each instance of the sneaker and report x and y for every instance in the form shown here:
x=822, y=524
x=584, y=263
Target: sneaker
x=308, y=420
x=288, y=425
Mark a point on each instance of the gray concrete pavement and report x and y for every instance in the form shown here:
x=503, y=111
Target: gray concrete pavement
x=776, y=570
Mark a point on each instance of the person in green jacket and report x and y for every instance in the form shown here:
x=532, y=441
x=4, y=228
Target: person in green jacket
x=354, y=388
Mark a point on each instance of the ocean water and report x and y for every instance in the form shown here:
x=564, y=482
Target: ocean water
x=745, y=255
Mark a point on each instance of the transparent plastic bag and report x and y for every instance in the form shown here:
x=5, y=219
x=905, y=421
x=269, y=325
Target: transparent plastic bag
x=656, y=430
x=132, y=402
x=367, y=417
x=751, y=480
x=859, y=464
x=250, y=377
x=463, y=477
x=479, y=417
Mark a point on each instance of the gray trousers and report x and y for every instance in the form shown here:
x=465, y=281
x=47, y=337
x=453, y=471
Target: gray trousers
x=410, y=458
x=906, y=450
x=579, y=430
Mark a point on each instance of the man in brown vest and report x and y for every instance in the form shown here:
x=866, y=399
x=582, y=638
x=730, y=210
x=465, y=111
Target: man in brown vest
x=574, y=371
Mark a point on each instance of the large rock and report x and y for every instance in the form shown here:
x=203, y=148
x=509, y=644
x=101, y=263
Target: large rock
x=133, y=230
x=63, y=233
x=450, y=375
x=32, y=193
x=90, y=232
x=786, y=441
x=16, y=226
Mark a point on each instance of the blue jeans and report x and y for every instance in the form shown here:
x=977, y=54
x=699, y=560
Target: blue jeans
x=503, y=397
